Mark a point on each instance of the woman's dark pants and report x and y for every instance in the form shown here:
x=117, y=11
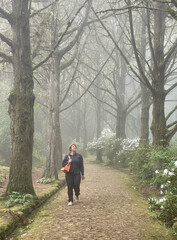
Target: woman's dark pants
x=73, y=182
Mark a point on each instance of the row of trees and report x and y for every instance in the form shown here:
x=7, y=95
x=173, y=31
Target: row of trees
x=85, y=58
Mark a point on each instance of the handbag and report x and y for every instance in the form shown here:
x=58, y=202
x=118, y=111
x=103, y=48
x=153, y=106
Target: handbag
x=67, y=167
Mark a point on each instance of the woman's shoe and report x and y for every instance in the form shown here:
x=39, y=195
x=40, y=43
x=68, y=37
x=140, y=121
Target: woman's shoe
x=70, y=203
x=77, y=199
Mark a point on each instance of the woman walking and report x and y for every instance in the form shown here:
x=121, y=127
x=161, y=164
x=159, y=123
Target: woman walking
x=73, y=177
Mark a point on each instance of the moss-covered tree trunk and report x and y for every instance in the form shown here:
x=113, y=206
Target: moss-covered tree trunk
x=21, y=102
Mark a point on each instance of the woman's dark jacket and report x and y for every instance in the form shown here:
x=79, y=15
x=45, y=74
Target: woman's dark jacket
x=77, y=165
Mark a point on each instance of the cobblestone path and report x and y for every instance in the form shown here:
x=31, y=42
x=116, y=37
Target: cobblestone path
x=109, y=208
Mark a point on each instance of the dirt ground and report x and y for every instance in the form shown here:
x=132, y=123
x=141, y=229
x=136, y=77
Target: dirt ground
x=40, y=189
x=109, y=208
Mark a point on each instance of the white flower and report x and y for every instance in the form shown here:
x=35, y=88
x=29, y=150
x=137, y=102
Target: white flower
x=165, y=171
x=156, y=171
x=175, y=163
x=171, y=173
x=161, y=200
x=162, y=186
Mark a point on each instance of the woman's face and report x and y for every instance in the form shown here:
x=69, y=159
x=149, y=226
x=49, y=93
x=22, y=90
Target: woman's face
x=73, y=148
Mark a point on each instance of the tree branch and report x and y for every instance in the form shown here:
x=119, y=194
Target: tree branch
x=5, y=15
x=123, y=55
x=171, y=124
x=145, y=80
x=131, y=109
x=6, y=57
x=170, y=113
x=44, y=8
x=89, y=85
x=171, y=88
x=170, y=52
x=72, y=80
x=72, y=43
x=8, y=41
x=171, y=133
x=60, y=39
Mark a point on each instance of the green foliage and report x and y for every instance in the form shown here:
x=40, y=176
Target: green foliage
x=141, y=165
x=166, y=205
x=112, y=147
x=17, y=198
x=45, y=180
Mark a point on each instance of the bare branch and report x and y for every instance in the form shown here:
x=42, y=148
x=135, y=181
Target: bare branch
x=133, y=107
x=170, y=113
x=112, y=114
x=171, y=133
x=44, y=8
x=60, y=39
x=71, y=82
x=68, y=63
x=8, y=41
x=171, y=124
x=5, y=15
x=89, y=84
x=170, y=52
x=106, y=103
x=145, y=81
x=6, y=57
x=171, y=88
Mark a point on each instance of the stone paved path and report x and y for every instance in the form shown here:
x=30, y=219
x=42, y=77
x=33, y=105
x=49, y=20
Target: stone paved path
x=109, y=208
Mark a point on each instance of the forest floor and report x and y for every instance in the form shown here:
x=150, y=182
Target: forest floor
x=109, y=208
x=40, y=189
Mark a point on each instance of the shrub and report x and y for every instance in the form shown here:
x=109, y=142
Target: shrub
x=141, y=165
x=17, y=198
x=166, y=206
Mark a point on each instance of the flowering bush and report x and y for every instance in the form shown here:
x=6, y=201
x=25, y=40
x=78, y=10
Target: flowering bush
x=128, y=147
x=100, y=143
x=117, y=151
x=166, y=205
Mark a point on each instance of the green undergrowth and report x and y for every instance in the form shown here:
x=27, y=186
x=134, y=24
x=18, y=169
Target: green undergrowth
x=3, y=173
x=20, y=207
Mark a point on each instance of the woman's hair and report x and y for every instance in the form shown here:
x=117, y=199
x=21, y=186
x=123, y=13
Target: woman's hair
x=70, y=146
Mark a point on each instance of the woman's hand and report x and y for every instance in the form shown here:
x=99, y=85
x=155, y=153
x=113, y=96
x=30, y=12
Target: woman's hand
x=83, y=177
x=70, y=160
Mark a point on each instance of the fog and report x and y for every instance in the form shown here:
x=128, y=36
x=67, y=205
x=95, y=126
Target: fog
x=96, y=65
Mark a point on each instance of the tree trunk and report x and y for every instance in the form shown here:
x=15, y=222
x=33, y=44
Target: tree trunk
x=21, y=103
x=85, y=127
x=121, y=106
x=158, y=126
x=98, y=151
x=145, y=93
x=145, y=105
x=120, y=122
x=54, y=153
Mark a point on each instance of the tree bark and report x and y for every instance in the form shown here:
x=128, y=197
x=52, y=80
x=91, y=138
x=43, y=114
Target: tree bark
x=98, y=151
x=21, y=103
x=145, y=93
x=54, y=149
x=121, y=105
x=158, y=126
